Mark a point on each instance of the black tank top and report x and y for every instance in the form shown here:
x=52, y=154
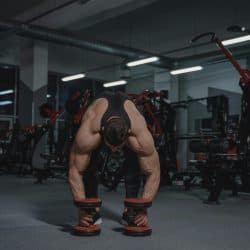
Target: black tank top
x=115, y=107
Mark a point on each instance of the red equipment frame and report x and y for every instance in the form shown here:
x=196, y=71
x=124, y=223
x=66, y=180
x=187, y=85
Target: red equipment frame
x=142, y=99
x=244, y=73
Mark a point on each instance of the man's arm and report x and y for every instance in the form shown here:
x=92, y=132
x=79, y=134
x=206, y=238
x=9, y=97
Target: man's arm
x=142, y=143
x=78, y=164
x=85, y=142
x=79, y=161
x=151, y=169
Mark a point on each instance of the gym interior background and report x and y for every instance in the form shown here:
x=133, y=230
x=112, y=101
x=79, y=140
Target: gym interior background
x=43, y=41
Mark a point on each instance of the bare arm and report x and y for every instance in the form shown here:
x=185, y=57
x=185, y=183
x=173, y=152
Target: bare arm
x=78, y=164
x=151, y=168
x=85, y=142
x=142, y=143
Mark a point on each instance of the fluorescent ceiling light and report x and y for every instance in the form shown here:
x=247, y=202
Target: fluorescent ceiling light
x=116, y=83
x=143, y=61
x=73, y=77
x=240, y=39
x=48, y=95
x=3, y=103
x=6, y=92
x=185, y=70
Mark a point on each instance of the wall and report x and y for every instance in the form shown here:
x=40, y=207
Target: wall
x=158, y=28
x=10, y=50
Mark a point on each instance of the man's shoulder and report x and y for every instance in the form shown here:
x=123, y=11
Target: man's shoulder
x=131, y=108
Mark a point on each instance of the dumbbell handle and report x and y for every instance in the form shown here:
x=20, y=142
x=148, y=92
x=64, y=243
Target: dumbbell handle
x=133, y=212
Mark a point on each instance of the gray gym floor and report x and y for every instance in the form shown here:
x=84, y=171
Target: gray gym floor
x=38, y=217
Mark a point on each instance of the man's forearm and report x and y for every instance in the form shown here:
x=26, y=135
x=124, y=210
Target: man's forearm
x=151, y=186
x=77, y=166
x=76, y=184
x=151, y=168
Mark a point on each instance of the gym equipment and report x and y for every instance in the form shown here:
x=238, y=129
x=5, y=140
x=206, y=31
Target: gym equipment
x=210, y=145
x=50, y=158
x=160, y=118
x=45, y=161
x=209, y=141
x=134, y=206
x=89, y=205
x=146, y=103
x=244, y=128
x=241, y=157
x=77, y=105
x=111, y=170
x=16, y=154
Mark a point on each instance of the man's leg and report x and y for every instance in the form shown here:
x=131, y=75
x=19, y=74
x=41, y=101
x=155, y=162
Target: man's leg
x=90, y=183
x=90, y=178
x=133, y=178
x=132, y=174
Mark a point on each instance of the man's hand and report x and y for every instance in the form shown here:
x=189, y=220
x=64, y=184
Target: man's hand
x=85, y=219
x=141, y=219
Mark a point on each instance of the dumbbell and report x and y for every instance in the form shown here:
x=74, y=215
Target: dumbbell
x=134, y=206
x=89, y=205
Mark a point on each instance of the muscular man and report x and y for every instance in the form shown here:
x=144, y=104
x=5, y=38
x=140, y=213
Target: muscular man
x=114, y=120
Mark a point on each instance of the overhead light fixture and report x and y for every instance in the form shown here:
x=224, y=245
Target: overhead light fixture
x=48, y=95
x=143, y=61
x=240, y=39
x=185, y=70
x=116, y=83
x=236, y=28
x=3, y=103
x=73, y=77
x=6, y=92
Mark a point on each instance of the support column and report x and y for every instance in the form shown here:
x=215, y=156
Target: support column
x=33, y=81
x=162, y=81
x=178, y=93
x=174, y=89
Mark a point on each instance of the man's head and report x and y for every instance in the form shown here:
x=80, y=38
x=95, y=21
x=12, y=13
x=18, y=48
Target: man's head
x=45, y=110
x=115, y=132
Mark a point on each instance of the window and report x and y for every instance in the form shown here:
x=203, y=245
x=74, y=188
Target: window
x=8, y=79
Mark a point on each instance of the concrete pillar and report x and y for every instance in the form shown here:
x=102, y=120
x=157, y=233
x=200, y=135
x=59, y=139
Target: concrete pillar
x=33, y=81
x=174, y=89
x=178, y=93
x=162, y=81
x=40, y=77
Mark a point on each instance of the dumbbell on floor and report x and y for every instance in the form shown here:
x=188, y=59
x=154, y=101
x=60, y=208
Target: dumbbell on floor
x=134, y=206
x=89, y=205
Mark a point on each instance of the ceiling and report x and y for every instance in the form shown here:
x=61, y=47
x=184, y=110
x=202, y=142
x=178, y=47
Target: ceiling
x=11, y=8
x=68, y=14
x=88, y=18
